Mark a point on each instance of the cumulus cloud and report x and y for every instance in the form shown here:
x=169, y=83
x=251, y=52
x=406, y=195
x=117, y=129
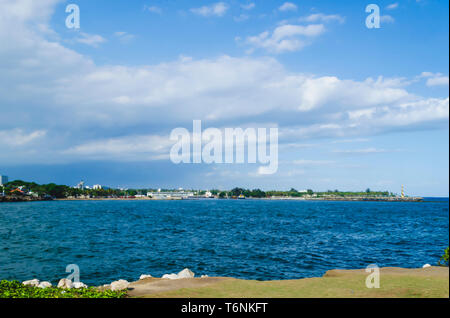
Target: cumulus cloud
x=392, y=6
x=18, y=137
x=124, y=37
x=248, y=6
x=387, y=19
x=90, y=39
x=325, y=18
x=154, y=9
x=62, y=106
x=435, y=79
x=241, y=17
x=217, y=9
x=126, y=148
x=306, y=162
x=361, y=151
x=285, y=38
x=438, y=81
x=288, y=6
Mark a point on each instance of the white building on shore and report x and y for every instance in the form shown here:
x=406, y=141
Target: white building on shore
x=209, y=194
x=80, y=185
x=170, y=195
x=3, y=180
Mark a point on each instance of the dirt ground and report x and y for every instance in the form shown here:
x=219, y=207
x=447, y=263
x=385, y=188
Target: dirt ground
x=396, y=282
x=150, y=286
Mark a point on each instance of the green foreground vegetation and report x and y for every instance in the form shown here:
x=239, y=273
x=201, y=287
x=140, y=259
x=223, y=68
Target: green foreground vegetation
x=15, y=289
x=444, y=259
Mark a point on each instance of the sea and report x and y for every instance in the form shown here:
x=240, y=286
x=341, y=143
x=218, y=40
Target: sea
x=246, y=239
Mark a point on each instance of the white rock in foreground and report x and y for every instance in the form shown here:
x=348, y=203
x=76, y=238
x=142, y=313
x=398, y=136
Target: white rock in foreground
x=45, y=285
x=65, y=283
x=32, y=282
x=186, y=273
x=170, y=276
x=204, y=276
x=119, y=284
x=78, y=285
x=144, y=276
x=426, y=265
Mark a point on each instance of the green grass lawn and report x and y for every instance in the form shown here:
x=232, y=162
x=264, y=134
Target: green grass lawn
x=347, y=285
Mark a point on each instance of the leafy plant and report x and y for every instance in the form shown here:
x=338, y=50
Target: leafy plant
x=15, y=289
x=444, y=259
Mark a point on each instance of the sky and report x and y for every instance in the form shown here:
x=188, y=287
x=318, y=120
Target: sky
x=355, y=107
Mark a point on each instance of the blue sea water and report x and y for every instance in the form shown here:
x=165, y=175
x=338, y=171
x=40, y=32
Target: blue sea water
x=249, y=239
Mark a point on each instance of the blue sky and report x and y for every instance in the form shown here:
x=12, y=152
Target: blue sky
x=355, y=107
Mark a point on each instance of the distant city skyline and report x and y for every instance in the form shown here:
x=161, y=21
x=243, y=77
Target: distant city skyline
x=355, y=107
x=82, y=185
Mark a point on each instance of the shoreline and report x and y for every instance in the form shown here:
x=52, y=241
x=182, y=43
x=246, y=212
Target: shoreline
x=394, y=282
x=415, y=199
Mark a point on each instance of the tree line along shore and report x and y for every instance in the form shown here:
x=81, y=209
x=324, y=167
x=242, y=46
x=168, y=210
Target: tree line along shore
x=19, y=190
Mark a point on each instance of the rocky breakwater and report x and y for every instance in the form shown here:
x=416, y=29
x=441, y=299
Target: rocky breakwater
x=117, y=285
x=22, y=198
x=63, y=283
x=121, y=284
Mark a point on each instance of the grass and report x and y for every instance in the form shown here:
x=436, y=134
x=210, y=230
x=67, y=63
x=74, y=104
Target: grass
x=345, y=286
x=15, y=289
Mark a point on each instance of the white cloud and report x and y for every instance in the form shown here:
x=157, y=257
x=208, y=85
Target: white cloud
x=392, y=6
x=305, y=162
x=285, y=38
x=325, y=18
x=361, y=151
x=18, y=137
x=438, y=81
x=124, y=37
x=288, y=6
x=90, y=39
x=241, y=17
x=154, y=9
x=61, y=105
x=295, y=172
x=435, y=79
x=217, y=9
x=126, y=148
x=351, y=140
x=387, y=19
x=426, y=74
x=248, y=6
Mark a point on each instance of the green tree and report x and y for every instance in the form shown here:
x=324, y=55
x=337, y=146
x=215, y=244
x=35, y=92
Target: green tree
x=444, y=259
x=237, y=192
